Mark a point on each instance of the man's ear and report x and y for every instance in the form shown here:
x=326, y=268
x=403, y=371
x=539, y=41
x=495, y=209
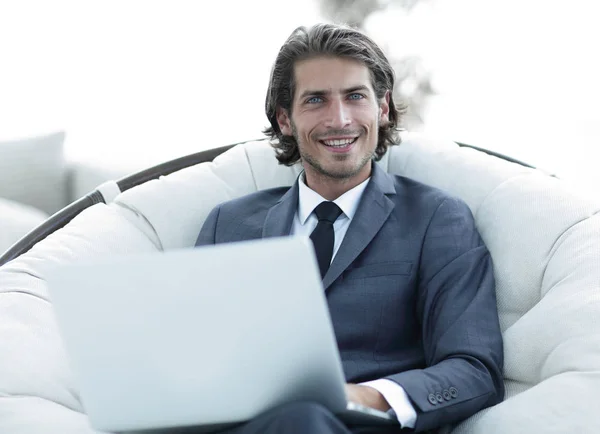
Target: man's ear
x=384, y=109
x=284, y=121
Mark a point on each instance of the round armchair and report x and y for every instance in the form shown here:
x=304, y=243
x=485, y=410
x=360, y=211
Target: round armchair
x=543, y=235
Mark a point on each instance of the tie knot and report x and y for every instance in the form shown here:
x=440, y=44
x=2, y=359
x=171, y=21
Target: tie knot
x=328, y=211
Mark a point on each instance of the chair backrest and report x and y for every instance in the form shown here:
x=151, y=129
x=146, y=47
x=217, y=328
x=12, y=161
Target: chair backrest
x=544, y=237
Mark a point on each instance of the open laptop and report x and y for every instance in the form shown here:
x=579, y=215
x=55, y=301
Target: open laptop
x=205, y=338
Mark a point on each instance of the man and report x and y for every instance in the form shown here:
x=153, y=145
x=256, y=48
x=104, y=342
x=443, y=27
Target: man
x=408, y=279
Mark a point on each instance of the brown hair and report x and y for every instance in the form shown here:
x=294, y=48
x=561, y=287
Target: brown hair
x=327, y=40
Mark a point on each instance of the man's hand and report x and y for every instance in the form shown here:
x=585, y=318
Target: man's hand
x=367, y=396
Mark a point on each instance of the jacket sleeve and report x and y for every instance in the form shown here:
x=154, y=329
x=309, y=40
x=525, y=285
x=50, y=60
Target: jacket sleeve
x=208, y=233
x=461, y=334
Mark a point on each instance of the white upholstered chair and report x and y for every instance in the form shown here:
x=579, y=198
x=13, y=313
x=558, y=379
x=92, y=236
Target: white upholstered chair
x=544, y=237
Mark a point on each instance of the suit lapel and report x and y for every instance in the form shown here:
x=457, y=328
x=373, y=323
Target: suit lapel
x=372, y=212
x=278, y=222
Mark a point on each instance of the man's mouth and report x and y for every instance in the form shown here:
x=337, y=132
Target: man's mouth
x=339, y=143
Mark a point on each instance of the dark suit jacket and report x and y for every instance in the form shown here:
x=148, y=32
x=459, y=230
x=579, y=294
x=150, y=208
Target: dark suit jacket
x=411, y=291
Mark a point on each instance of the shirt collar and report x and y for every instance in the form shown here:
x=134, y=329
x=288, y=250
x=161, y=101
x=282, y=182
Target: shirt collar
x=308, y=199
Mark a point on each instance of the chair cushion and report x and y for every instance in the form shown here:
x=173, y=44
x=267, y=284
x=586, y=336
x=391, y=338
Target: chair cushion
x=544, y=237
x=16, y=220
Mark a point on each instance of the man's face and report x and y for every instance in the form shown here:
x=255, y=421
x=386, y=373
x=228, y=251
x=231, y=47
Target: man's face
x=335, y=118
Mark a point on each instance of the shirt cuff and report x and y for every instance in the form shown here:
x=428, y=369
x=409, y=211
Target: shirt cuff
x=396, y=396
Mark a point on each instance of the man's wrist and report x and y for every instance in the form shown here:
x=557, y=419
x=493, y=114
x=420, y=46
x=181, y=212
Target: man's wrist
x=398, y=400
x=376, y=399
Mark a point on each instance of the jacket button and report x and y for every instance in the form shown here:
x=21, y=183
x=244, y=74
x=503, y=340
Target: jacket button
x=431, y=398
x=446, y=395
x=453, y=392
x=439, y=397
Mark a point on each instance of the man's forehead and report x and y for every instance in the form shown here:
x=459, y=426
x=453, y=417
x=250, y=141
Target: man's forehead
x=330, y=74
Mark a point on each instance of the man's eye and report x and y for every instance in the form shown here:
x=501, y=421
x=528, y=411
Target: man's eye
x=314, y=100
x=355, y=96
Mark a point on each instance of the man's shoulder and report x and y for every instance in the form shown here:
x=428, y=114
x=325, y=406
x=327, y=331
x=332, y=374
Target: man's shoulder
x=423, y=192
x=254, y=202
x=426, y=201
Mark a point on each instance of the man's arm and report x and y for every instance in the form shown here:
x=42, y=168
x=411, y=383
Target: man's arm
x=208, y=232
x=461, y=334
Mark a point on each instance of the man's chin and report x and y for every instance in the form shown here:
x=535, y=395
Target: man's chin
x=340, y=168
x=339, y=174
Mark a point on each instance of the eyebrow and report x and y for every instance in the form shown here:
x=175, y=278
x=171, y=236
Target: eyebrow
x=326, y=92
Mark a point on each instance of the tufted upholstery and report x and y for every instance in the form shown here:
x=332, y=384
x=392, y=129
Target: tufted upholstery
x=543, y=234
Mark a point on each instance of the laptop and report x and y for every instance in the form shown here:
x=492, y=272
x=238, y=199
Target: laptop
x=205, y=338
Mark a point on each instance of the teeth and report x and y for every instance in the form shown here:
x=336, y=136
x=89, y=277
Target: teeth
x=338, y=143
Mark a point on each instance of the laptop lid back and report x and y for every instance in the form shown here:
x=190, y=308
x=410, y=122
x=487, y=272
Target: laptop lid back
x=202, y=336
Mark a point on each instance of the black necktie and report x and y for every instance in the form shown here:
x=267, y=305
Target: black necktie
x=323, y=235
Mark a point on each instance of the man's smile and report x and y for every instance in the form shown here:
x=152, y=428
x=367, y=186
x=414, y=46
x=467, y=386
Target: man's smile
x=339, y=144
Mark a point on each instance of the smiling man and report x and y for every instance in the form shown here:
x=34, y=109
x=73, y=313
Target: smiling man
x=409, y=282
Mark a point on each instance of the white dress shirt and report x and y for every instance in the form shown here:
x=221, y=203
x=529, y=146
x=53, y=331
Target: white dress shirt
x=304, y=223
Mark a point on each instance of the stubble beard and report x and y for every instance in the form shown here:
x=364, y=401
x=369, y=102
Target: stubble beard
x=340, y=175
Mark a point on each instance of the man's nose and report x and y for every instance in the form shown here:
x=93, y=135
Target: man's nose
x=338, y=115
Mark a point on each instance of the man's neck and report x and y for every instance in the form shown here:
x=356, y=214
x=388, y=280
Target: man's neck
x=331, y=188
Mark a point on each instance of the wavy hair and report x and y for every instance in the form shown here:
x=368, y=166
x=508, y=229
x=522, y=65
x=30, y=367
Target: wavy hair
x=327, y=40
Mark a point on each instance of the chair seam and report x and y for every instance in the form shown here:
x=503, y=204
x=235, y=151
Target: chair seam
x=23, y=395
x=554, y=247
x=251, y=168
x=19, y=291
